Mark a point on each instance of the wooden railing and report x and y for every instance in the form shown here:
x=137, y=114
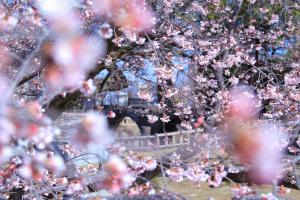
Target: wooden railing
x=145, y=142
x=159, y=141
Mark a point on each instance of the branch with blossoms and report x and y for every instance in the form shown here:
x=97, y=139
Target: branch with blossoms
x=55, y=49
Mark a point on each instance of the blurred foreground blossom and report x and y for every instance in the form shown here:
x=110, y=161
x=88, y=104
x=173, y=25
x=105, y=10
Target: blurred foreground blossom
x=75, y=57
x=118, y=176
x=132, y=14
x=258, y=143
x=244, y=104
x=37, y=165
x=93, y=133
x=7, y=22
x=88, y=87
x=55, y=8
x=105, y=31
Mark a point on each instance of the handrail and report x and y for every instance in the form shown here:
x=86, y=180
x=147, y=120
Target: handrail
x=161, y=140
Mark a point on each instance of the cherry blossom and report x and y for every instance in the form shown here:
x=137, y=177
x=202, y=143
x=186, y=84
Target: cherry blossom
x=93, y=133
x=152, y=118
x=176, y=174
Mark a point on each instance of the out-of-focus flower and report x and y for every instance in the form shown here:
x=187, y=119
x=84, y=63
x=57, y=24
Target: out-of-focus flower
x=44, y=137
x=199, y=122
x=283, y=190
x=55, y=8
x=88, y=88
x=37, y=165
x=256, y=143
x=4, y=90
x=150, y=164
x=74, y=187
x=140, y=164
x=215, y=180
x=105, y=31
x=54, y=163
x=132, y=14
x=30, y=169
x=35, y=109
x=118, y=176
x=75, y=57
x=93, y=133
x=77, y=52
x=266, y=159
x=7, y=22
x=196, y=174
x=6, y=153
x=243, y=103
x=111, y=114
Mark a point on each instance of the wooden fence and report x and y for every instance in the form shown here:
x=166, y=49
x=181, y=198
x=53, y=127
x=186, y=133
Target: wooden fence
x=159, y=141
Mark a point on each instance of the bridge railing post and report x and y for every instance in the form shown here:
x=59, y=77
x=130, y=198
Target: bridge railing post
x=174, y=139
x=166, y=139
x=157, y=141
x=181, y=137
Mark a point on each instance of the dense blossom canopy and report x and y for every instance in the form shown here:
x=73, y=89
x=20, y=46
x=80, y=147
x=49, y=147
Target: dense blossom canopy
x=229, y=66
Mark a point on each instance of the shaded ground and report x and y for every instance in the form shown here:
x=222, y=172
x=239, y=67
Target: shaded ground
x=192, y=191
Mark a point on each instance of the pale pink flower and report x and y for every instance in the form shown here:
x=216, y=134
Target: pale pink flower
x=175, y=173
x=196, y=174
x=186, y=125
x=7, y=23
x=165, y=118
x=145, y=95
x=150, y=163
x=118, y=176
x=243, y=103
x=76, y=56
x=141, y=40
x=266, y=162
x=274, y=19
x=152, y=118
x=111, y=114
